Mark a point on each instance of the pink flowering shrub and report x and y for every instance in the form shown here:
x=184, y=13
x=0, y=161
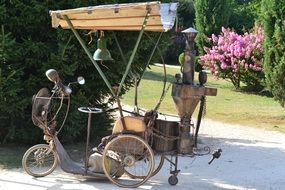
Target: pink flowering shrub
x=236, y=57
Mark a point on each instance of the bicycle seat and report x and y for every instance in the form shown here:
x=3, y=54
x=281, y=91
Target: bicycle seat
x=135, y=124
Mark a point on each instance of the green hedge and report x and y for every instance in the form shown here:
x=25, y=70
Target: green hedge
x=30, y=46
x=273, y=20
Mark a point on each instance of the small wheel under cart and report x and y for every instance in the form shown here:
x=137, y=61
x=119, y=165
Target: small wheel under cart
x=173, y=180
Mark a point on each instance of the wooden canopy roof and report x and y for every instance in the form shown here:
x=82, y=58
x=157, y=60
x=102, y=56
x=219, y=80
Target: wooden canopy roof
x=119, y=17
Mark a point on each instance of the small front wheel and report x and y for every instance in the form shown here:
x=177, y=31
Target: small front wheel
x=40, y=160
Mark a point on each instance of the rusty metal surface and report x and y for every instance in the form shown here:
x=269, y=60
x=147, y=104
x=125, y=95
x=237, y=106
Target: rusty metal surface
x=187, y=91
x=70, y=166
x=186, y=97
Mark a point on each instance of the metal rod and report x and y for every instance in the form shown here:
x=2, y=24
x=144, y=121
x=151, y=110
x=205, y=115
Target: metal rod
x=136, y=95
x=87, y=141
x=199, y=118
x=170, y=161
x=151, y=55
x=89, y=54
x=121, y=51
x=119, y=47
x=134, y=52
x=176, y=164
x=66, y=114
x=121, y=114
x=164, y=70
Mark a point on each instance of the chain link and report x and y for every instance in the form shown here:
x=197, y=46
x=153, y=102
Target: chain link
x=159, y=134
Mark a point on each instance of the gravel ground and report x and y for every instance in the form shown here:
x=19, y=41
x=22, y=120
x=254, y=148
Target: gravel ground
x=251, y=159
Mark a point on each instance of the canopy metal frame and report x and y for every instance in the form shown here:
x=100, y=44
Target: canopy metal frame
x=116, y=93
x=129, y=63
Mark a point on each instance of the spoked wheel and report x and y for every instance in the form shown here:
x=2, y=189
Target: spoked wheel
x=39, y=160
x=159, y=161
x=128, y=161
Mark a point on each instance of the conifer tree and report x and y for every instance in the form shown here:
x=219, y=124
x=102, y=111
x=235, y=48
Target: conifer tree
x=211, y=16
x=31, y=46
x=274, y=63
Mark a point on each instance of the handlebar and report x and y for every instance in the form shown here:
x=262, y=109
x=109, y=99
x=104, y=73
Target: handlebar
x=63, y=88
x=90, y=110
x=53, y=76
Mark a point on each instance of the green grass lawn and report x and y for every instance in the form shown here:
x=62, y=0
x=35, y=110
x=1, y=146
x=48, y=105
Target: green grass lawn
x=229, y=106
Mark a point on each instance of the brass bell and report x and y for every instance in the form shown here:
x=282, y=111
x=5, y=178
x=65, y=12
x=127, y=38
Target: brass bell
x=102, y=53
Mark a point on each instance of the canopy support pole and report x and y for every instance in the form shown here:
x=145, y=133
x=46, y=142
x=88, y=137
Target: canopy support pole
x=164, y=69
x=120, y=49
x=89, y=54
x=151, y=55
x=133, y=53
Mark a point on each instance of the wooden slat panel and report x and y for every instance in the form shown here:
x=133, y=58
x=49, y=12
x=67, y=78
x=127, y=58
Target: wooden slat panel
x=116, y=22
x=157, y=28
x=110, y=13
x=101, y=9
x=130, y=16
x=106, y=12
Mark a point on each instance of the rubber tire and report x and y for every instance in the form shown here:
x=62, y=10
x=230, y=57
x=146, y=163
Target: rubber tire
x=32, y=150
x=156, y=170
x=173, y=180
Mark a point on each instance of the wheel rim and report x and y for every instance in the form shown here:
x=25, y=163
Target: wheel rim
x=39, y=161
x=158, y=164
x=128, y=161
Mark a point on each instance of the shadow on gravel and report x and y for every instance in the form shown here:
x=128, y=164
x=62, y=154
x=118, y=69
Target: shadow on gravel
x=244, y=164
x=11, y=156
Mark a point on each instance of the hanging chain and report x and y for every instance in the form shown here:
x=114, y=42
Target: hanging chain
x=159, y=134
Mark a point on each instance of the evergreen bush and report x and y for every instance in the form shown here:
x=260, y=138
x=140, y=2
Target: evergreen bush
x=274, y=64
x=30, y=46
x=210, y=17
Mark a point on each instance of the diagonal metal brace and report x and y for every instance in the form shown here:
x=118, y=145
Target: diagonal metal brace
x=134, y=52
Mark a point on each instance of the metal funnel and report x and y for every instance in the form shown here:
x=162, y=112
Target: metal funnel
x=186, y=97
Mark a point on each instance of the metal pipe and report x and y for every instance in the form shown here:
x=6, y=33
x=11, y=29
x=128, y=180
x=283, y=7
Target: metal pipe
x=119, y=47
x=151, y=55
x=164, y=70
x=134, y=52
x=87, y=141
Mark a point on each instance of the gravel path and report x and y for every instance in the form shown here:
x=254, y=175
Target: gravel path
x=251, y=159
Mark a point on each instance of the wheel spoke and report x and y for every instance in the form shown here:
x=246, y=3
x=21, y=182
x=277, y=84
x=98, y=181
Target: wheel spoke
x=136, y=160
x=38, y=162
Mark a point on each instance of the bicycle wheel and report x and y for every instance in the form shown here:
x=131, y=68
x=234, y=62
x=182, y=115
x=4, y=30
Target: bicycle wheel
x=39, y=160
x=128, y=161
x=158, y=163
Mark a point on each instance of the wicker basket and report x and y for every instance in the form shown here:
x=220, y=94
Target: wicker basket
x=128, y=146
x=164, y=132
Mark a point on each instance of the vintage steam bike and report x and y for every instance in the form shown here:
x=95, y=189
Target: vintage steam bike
x=127, y=156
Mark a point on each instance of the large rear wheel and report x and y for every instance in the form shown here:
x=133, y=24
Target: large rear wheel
x=128, y=161
x=159, y=161
x=39, y=160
